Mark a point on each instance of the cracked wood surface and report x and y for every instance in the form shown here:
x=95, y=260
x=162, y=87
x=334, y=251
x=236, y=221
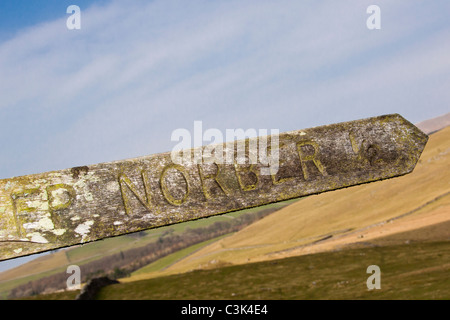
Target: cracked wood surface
x=62, y=208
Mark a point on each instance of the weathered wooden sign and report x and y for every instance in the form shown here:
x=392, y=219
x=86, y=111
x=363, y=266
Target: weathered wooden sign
x=62, y=208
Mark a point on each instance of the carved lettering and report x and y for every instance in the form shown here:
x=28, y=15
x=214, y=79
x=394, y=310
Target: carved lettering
x=359, y=151
x=274, y=169
x=373, y=154
x=249, y=171
x=145, y=199
x=19, y=205
x=204, y=177
x=304, y=157
x=60, y=196
x=369, y=155
x=165, y=190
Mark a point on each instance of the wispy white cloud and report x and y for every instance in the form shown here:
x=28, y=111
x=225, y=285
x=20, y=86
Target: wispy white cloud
x=136, y=71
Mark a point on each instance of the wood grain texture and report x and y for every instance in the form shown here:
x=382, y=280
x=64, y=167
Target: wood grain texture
x=63, y=208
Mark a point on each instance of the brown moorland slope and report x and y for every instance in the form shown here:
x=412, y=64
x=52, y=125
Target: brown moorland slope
x=435, y=124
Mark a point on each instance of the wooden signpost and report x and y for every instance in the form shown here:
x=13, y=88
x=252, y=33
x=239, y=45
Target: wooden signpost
x=63, y=208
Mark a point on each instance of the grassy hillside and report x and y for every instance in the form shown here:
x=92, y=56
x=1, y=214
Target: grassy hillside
x=408, y=272
x=343, y=216
x=414, y=271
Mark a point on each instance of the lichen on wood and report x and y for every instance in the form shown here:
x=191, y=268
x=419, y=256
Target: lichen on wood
x=63, y=208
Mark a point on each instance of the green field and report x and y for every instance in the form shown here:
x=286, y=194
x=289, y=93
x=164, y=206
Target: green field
x=168, y=260
x=408, y=271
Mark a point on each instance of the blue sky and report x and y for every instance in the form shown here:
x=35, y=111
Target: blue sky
x=137, y=70
x=16, y=15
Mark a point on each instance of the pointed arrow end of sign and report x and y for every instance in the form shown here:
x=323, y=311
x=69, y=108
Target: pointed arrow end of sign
x=411, y=139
